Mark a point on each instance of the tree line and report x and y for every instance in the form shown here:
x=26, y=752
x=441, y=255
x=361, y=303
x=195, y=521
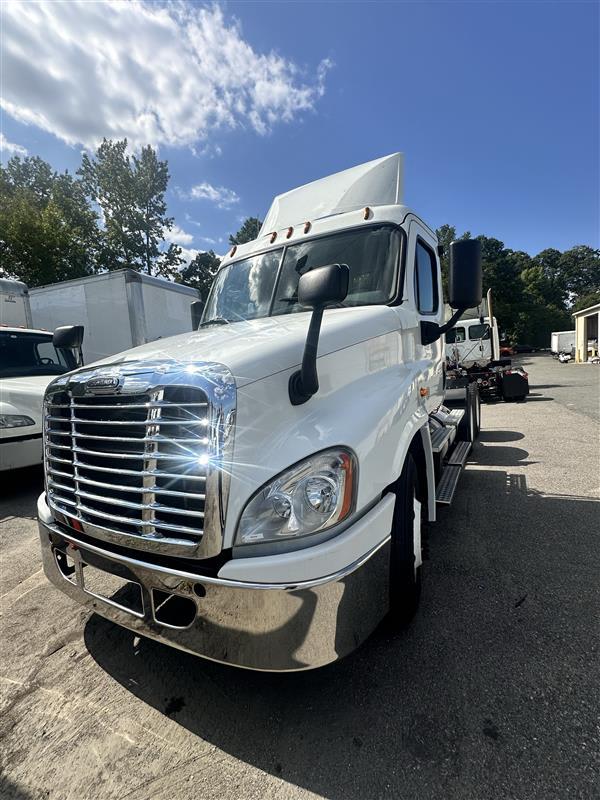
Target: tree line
x=533, y=295
x=112, y=214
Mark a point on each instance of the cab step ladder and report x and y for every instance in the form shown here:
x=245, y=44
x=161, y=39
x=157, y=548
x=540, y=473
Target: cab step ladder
x=444, y=491
x=440, y=437
x=459, y=454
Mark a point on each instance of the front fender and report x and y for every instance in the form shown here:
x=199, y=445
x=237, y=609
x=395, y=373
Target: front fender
x=368, y=400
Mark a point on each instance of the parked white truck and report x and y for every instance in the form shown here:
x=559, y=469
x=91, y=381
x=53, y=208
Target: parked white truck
x=562, y=342
x=15, y=309
x=29, y=360
x=473, y=356
x=254, y=492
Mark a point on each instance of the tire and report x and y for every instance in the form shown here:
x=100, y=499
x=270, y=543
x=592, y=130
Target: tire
x=406, y=552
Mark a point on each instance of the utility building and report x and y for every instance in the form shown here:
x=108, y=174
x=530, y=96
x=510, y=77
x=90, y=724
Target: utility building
x=587, y=322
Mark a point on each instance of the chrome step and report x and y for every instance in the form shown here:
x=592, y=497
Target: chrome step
x=446, y=487
x=455, y=416
x=440, y=437
x=460, y=454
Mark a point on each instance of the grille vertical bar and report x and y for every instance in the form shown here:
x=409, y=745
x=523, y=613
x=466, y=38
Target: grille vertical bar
x=151, y=463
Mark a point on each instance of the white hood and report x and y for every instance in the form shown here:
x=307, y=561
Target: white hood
x=24, y=396
x=255, y=349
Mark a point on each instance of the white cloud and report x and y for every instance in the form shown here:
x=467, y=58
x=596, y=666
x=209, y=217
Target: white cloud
x=208, y=240
x=218, y=195
x=10, y=147
x=178, y=236
x=163, y=73
x=189, y=254
x=192, y=221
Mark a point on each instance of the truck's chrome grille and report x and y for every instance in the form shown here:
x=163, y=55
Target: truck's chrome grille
x=135, y=464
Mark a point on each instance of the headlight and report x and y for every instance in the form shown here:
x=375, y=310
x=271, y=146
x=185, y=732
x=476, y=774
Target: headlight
x=15, y=421
x=312, y=496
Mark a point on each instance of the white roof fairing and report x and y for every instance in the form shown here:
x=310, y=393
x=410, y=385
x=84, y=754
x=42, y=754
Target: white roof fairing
x=375, y=183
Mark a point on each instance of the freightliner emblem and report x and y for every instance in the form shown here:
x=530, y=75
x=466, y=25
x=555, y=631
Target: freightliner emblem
x=102, y=385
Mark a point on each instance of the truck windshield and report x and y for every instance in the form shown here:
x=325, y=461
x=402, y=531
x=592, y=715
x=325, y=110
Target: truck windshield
x=23, y=354
x=267, y=284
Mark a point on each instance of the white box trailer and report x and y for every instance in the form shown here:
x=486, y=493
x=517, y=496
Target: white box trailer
x=14, y=304
x=119, y=310
x=562, y=341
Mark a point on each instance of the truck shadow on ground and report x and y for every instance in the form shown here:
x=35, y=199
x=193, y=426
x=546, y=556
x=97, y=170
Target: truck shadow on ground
x=500, y=436
x=400, y=715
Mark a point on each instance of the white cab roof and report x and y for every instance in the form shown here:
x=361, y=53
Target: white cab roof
x=376, y=183
x=330, y=204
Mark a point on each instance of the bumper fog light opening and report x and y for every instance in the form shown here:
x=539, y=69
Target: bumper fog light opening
x=173, y=610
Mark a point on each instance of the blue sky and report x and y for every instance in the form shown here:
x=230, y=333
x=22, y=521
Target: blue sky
x=495, y=104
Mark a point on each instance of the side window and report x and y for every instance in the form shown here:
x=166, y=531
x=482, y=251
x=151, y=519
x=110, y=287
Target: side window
x=426, y=283
x=479, y=331
x=455, y=335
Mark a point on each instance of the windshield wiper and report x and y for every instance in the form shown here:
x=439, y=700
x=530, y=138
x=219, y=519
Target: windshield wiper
x=214, y=321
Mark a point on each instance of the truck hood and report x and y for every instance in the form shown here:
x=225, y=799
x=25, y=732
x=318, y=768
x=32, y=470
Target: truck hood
x=255, y=349
x=24, y=396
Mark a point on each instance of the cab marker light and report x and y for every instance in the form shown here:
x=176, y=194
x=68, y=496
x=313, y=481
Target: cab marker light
x=273, y=236
x=232, y=251
x=367, y=213
x=290, y=231
x=307, y=227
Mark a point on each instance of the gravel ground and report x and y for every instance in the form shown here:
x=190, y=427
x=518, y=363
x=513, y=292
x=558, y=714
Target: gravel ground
x=492, y=692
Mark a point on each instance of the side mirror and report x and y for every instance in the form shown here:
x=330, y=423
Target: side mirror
x=464, y=279
x=319, y=288
x=197, y=309
x=464, y=286
x=324, y=286
x=69, y=339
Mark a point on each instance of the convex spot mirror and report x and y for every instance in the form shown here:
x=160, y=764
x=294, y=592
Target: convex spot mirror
x=464, y=278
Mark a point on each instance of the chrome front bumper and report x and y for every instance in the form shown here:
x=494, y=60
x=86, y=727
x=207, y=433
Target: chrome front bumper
x=272, y=627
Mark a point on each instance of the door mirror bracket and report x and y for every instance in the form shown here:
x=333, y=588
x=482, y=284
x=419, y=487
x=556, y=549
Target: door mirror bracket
x=319, y=288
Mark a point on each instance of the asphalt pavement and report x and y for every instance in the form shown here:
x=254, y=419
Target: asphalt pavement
x=493, y=692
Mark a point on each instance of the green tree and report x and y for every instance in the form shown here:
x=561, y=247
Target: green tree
x=249, y=231
x=580, y=270
x=130, y=191
x=49, y=231
x=150, y=180
x=200, y=272
x=108, y=181
x=585, y=301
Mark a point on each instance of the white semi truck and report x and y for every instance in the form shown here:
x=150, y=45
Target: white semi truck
x=254, y=492
x=473, y=356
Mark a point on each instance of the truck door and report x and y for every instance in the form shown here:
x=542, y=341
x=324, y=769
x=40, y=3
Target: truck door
x=423, y=282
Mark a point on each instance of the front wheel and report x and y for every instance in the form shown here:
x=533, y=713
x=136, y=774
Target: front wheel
x=406, y=547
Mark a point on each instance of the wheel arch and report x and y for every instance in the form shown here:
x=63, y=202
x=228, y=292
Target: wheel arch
x=420, y=449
